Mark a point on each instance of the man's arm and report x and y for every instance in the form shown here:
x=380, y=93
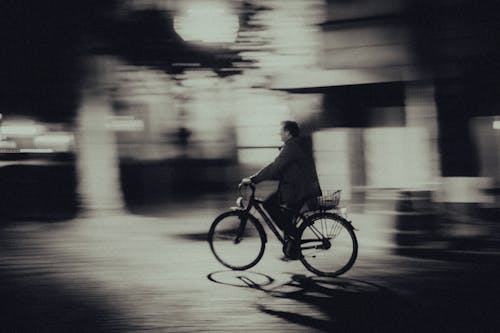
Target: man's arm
x=275, y=168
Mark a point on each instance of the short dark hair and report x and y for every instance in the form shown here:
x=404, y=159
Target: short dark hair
x=292, y=127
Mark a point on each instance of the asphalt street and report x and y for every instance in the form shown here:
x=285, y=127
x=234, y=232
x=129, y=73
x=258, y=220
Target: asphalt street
x=152, y=270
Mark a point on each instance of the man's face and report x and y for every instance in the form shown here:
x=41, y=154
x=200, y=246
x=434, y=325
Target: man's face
x=284, y=134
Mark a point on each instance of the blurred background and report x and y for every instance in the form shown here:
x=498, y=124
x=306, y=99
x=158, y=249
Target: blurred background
x=126, y=125
x=118, y=105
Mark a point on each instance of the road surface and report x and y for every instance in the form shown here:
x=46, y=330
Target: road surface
x=153, y=271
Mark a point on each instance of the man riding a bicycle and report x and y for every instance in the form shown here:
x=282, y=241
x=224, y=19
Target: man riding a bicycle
x=298, y=181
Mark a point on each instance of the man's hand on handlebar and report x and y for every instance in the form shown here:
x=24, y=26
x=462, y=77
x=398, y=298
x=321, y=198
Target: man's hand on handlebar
x=246, y=181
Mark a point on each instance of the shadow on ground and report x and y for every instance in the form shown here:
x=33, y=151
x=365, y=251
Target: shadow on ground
x=34, y=303
x=349, y=305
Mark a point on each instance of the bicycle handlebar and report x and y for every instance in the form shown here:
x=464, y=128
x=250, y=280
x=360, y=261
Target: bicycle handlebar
x=251, y=185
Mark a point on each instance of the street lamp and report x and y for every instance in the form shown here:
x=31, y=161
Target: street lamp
x=207, y=22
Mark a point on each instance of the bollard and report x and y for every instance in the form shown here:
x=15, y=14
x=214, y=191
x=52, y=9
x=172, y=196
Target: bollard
x=416, y=223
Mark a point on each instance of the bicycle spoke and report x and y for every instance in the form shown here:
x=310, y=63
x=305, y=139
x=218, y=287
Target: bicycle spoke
x=236, y=243
x=328, y=246
x=330, y=233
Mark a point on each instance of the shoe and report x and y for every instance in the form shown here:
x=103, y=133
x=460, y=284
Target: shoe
x=287, y=259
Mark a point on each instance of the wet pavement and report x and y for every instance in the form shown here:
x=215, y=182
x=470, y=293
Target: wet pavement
x=153, y=271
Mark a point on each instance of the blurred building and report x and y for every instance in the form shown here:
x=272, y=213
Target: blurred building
x=170, y=97
x=402, y=83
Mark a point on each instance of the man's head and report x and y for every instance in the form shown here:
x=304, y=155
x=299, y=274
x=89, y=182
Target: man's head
x=289, y=129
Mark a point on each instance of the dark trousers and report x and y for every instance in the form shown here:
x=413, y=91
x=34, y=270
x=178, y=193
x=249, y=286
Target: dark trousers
x=283, y=218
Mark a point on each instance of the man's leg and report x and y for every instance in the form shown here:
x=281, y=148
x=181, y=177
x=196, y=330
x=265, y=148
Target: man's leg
x=288, y=224
x=272, y=206
x=283, y=218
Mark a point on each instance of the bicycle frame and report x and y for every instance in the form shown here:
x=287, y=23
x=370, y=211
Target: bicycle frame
x=258, y=204
x=315, y=242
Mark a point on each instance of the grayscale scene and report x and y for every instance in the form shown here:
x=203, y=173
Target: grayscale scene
x=249, y=166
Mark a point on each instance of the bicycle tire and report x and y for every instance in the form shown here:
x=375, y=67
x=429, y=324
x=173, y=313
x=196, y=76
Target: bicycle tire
x=345, y=248
x=228, y=254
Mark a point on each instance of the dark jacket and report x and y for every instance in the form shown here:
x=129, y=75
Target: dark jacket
x=295, y=170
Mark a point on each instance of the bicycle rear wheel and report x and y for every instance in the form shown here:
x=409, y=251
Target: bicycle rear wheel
x=328, y=245
x=237, y=241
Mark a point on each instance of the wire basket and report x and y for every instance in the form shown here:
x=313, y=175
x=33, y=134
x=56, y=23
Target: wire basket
x=329, y=200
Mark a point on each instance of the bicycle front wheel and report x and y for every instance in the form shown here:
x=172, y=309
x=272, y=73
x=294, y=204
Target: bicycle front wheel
x=237, y=241
x=328, y=245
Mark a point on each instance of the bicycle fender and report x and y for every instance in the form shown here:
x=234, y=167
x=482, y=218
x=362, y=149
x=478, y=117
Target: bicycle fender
x=337, y=216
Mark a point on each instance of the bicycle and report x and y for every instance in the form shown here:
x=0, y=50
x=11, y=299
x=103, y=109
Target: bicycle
x=326, y=242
